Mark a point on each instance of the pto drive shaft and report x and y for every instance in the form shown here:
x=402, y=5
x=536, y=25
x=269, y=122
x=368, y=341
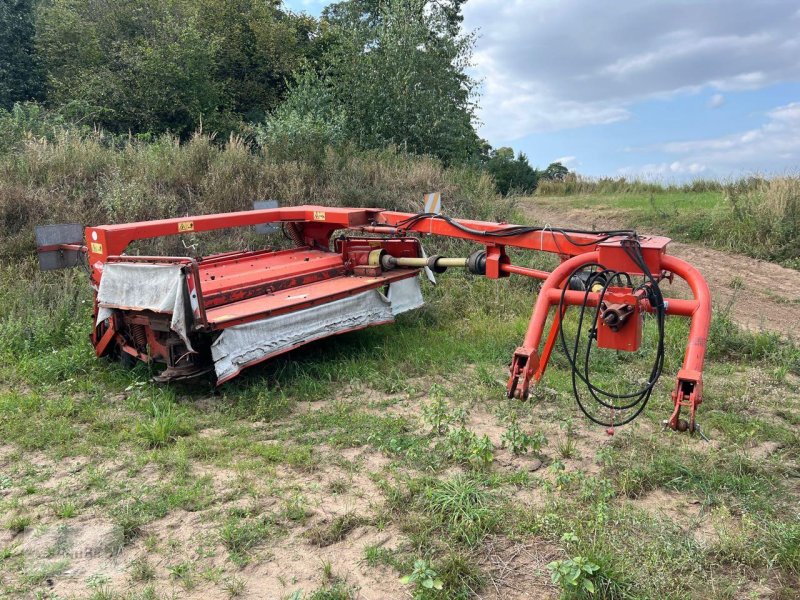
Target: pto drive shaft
x=438, y=264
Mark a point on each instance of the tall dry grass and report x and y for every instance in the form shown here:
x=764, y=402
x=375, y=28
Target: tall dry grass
x=576, y=184
x=764, y=216
x=91, y=178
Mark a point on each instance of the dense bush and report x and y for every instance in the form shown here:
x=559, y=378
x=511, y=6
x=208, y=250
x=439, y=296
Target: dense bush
x=20, y=76
x=511, y=174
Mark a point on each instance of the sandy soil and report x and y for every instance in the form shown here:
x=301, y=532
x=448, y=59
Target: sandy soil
x=759, y=294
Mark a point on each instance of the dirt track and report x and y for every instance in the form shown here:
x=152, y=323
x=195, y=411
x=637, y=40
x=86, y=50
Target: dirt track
x=759, y=294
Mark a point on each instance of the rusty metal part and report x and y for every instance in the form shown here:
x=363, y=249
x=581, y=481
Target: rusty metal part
x=139, y=336
x=615, y=315
x=294, y=233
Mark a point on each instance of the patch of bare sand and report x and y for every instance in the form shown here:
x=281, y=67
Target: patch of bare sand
x=85, y=548
x=295, y=564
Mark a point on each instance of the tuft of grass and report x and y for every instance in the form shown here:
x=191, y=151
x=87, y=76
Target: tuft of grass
x=18, y=523
x=141, y=570
x=65, y=509
x=164, y=426
x=337, y=591
x=240, y=535
x=234, y=586
x=460, y=575
x=463, y=507
x=326, y=534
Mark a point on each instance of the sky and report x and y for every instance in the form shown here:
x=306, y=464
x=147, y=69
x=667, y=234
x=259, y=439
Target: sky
x=658, y=89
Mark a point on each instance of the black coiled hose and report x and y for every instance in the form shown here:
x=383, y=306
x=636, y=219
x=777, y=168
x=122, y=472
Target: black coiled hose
x=634, y=401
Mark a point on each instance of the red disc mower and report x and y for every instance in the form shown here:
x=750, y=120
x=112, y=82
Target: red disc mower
x=225, y=312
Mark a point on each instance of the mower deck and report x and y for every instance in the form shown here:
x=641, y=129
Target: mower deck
x=297, y=295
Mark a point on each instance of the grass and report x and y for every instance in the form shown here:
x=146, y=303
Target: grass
x=290, y=458
x=273, y=458
x=325, y=534
x=755, y=216
x=241, y=535
x=463, y=507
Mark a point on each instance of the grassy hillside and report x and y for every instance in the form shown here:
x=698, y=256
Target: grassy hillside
x=755, y=216
x=331, y=472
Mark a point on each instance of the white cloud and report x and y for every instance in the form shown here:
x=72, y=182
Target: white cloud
x=565, y=160
x=513, y=108
x=759, y=148
x=716, y=101
x=679, y=169
x=556, y=64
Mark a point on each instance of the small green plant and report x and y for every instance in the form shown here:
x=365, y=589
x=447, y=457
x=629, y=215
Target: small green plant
x=180, y=570
x=295, y=509
x=736, y=283
x=377, y=555
x=520, y=442
x=574, y=575
x=465, y=446
x=65, y=509
x=183, y=572
x=423, y=578
x=437, y=413
x=142, y=570
x=481, y=452
x=567, y=446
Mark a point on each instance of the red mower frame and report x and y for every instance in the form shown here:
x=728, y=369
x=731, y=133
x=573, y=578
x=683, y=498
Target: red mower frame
x=393, y=252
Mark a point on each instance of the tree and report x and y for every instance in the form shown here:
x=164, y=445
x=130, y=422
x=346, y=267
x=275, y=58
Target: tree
x=554, y=172
x=259, y=47
x=511, y=174
x=20, y=76
x=305, y=124
x=157, y=65
x=397, y=69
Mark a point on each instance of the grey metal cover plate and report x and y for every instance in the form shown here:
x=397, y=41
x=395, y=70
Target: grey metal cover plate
x=64, y=233
x=266, y=227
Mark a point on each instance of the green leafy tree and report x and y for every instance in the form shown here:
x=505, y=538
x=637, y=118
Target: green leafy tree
x=397, y=69
x=554, y=172
x=306, y=123
x=511, y=174
x=20, y=76
x=259, y=47
x=158, y=65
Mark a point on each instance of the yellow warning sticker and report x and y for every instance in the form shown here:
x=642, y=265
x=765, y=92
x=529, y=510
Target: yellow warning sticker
x=97, y=248
x=186, y=226
x=319, y=215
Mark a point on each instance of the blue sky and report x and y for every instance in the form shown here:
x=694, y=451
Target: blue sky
x=661, y=89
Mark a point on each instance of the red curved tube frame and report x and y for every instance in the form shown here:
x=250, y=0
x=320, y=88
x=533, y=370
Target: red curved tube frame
x=528, y=364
